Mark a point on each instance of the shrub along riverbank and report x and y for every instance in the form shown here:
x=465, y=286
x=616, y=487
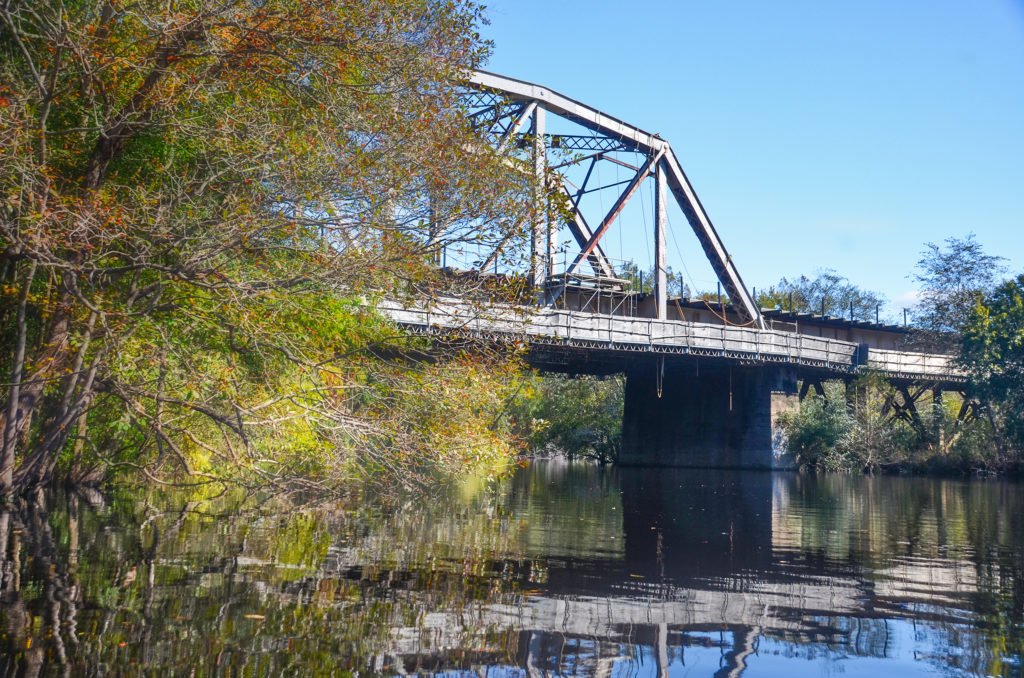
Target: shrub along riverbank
x=872, y=429
x=864, y=428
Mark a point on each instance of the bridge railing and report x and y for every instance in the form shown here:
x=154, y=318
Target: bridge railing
x=672, y=335
x=627, y=333
x=911, y=364
x=623, y=333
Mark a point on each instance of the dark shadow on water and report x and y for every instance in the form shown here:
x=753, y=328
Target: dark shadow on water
x=683, y=524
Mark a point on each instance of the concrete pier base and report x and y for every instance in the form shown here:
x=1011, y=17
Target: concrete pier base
x=709, y=415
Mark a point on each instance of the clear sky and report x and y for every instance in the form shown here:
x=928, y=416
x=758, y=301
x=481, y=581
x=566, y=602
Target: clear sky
x=817, y=133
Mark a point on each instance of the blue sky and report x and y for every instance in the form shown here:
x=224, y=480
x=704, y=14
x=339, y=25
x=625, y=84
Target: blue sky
x=824, y=134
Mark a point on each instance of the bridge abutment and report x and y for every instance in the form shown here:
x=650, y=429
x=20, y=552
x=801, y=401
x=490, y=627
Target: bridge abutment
x=709, y=414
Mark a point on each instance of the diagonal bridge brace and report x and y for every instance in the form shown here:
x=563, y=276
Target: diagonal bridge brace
x=580, y=230
x=620, y=203
x=661, y=159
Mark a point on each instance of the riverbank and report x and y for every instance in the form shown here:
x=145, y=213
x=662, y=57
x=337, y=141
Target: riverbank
x=862, y=429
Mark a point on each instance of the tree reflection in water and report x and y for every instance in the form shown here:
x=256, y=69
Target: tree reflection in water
x=560, y=570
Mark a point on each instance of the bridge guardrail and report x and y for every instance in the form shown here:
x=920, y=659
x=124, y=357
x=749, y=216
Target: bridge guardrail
x=546, y=325
x=911, y=364
x=725, y=340
x=627, y=333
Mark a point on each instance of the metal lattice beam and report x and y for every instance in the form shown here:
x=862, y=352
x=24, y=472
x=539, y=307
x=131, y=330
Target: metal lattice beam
x=585, y=142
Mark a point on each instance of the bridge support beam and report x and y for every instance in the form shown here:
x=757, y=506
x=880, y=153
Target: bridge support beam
x=541, y=245
x=660, y=221
x=709, y=415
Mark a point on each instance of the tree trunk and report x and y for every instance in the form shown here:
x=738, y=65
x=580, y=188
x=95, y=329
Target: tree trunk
x=26, y=395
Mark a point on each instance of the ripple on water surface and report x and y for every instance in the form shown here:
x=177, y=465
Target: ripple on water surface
x=562, y=569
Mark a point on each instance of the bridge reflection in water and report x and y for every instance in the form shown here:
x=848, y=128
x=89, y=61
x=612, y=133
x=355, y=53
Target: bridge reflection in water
x=712, y=573
x=559, y=570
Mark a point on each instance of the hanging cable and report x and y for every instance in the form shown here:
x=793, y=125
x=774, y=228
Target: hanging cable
x=618, y=221
x=679, y=251
x=680, y=308
x=730, y=388
x=660, y=374
x=724, y=319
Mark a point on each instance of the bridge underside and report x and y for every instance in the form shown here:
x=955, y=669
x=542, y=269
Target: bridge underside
x=707, y=413
x=694, y=411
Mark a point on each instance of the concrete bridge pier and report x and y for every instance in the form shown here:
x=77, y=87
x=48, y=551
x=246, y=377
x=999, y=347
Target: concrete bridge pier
x=709, y=414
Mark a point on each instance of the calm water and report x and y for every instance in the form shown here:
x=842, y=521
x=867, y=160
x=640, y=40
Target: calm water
x=560, y=570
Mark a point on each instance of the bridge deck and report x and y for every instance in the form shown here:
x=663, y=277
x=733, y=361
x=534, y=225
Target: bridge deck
x=546, y=326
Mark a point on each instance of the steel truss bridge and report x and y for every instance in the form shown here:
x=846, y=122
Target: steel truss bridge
x=513, y=114
x=697, y=393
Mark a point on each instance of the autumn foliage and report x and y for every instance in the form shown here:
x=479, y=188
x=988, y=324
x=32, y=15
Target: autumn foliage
x=200, y=201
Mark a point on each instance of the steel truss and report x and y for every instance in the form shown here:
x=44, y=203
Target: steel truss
x=511, y=116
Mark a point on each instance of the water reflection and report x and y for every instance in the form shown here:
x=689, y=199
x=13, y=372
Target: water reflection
x=560, y=570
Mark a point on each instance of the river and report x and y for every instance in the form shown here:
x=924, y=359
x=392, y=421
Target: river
x=560, y=569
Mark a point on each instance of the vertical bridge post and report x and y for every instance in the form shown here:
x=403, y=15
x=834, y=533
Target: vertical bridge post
x=539, y=241
x=660, y=218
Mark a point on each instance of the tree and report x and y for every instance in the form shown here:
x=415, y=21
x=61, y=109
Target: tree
x=952, y=279
x=643, y=281
x=195, y=197
x=828, y=293
x=992, y=351
x=577, y=416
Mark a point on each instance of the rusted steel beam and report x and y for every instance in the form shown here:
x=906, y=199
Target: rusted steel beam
x=910, y=408
x=968, y=409
x=714, y=249
x=620, y=203
x=580, y=230
x=492, y=258
x=517, y=126
x=539, y=260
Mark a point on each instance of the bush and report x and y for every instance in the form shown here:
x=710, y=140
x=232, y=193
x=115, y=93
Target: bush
x=816, y=434
x=575, y=416
x=855, y=430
